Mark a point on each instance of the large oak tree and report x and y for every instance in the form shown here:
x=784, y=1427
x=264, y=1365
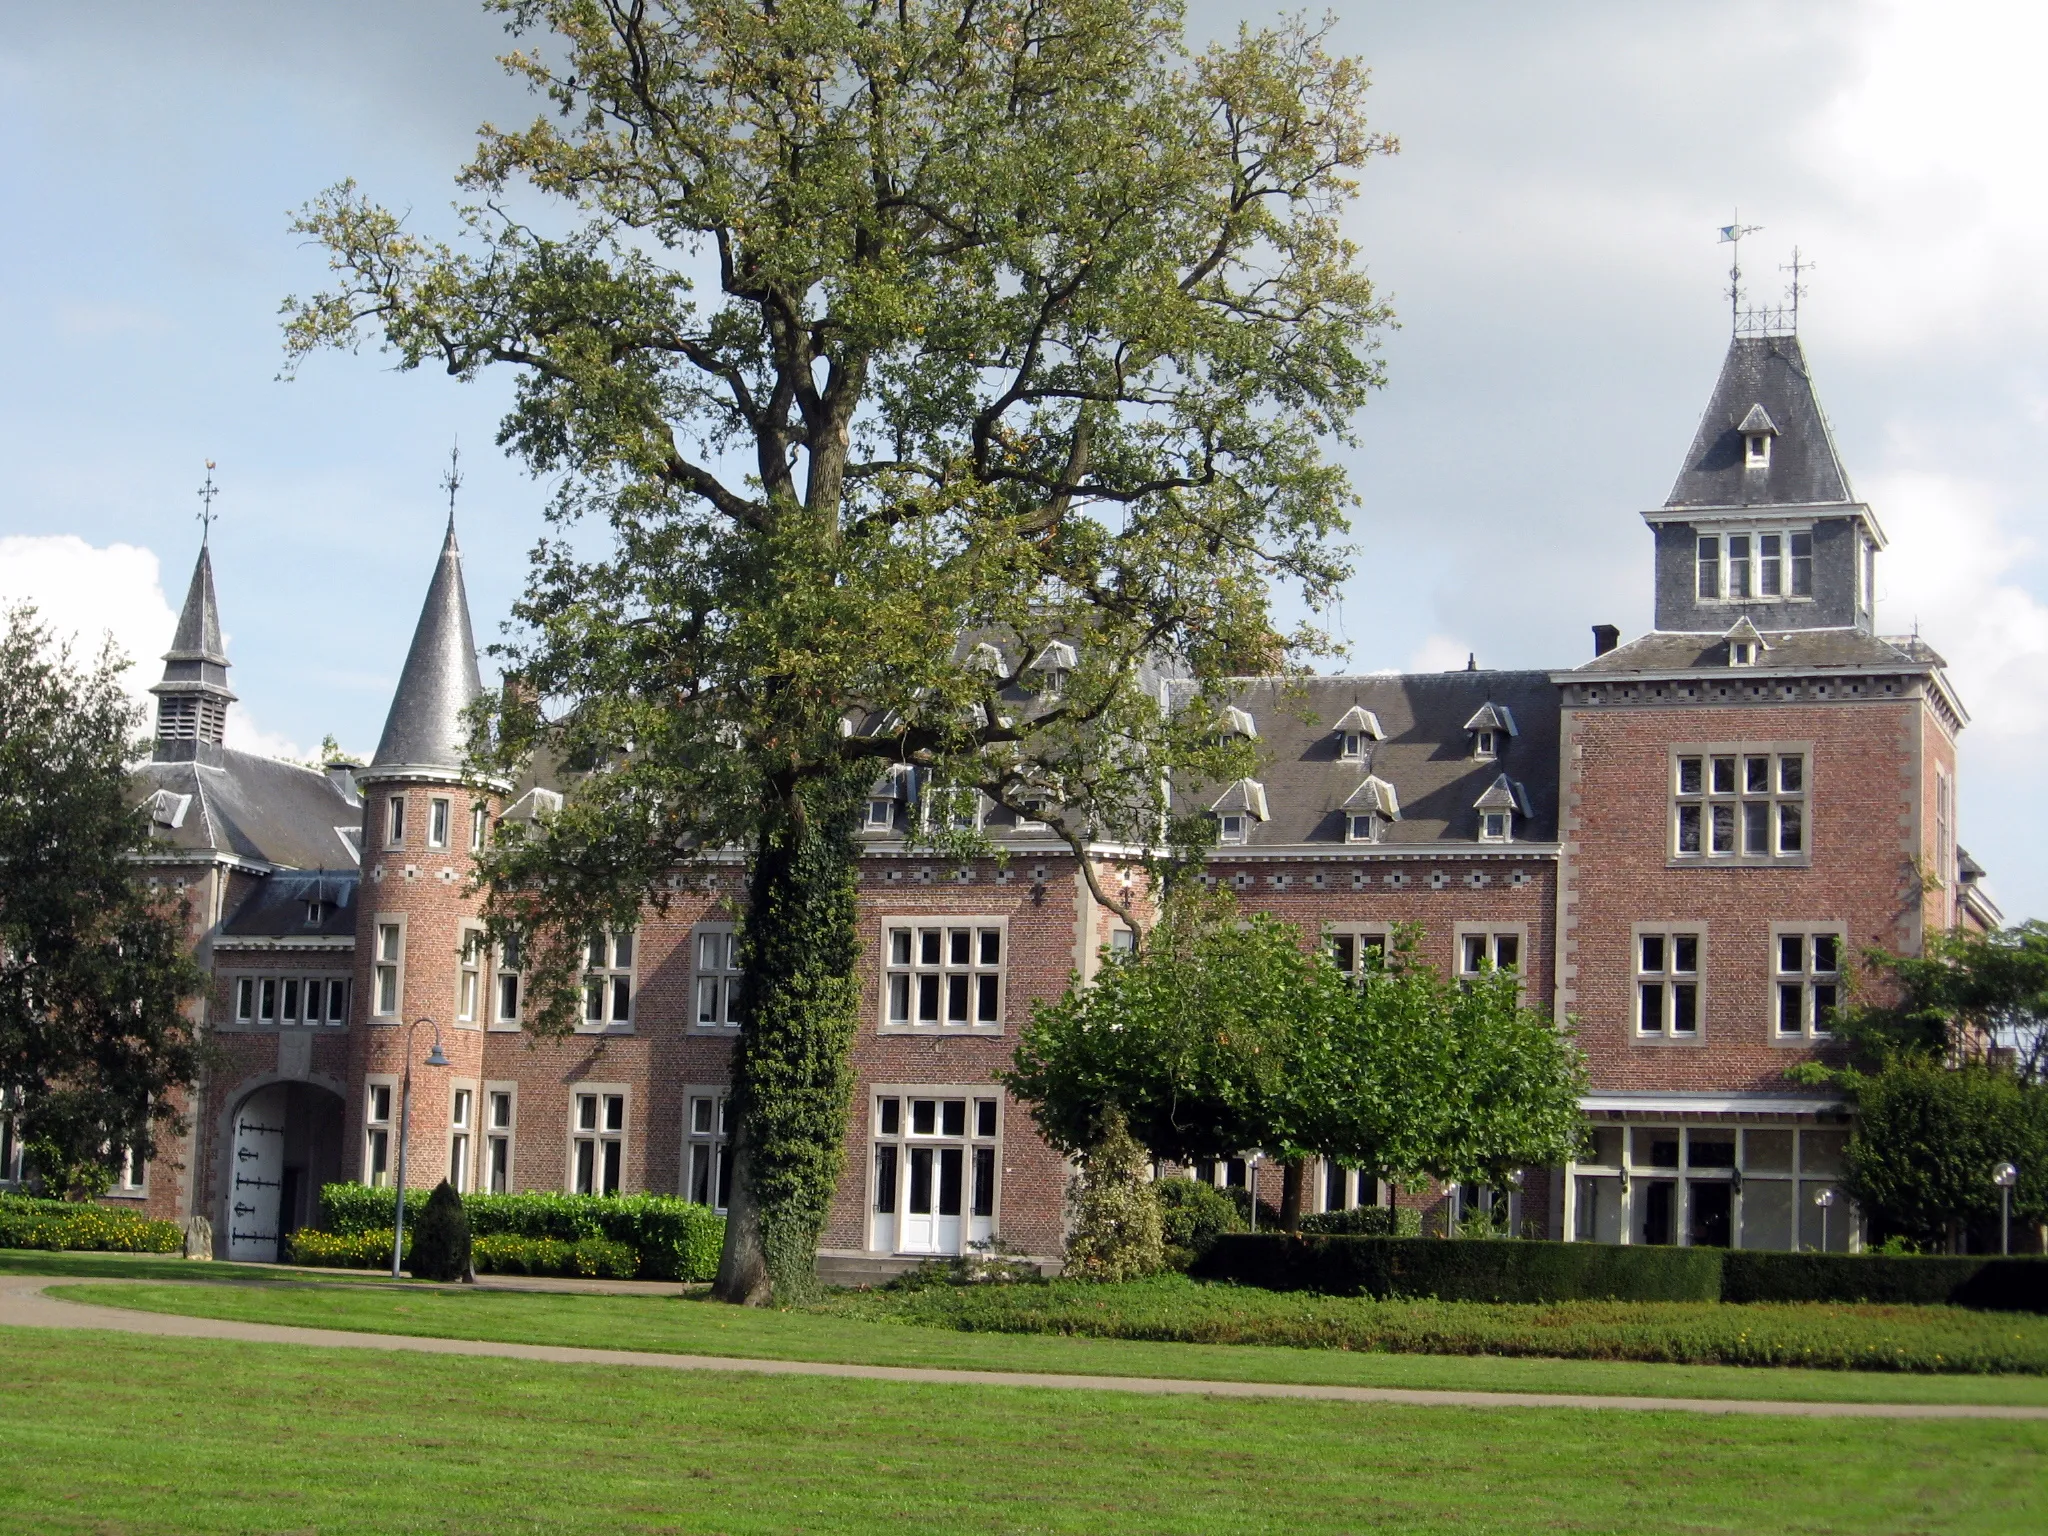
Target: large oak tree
x=899, y=350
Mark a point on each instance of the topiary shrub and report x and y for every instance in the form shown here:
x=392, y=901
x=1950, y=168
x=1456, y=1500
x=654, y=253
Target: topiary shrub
x=1192, y=1215
x=1116, y=1227
x=440, y=1237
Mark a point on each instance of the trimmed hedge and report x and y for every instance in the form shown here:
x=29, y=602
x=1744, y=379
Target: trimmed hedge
x=1991, y=1284
x=344, y=1250
x=63, y=1225
x=1481, y=1270
x=671, y=1239
x=503, y=1254
x=1464, y=1269
x=1361, y=1221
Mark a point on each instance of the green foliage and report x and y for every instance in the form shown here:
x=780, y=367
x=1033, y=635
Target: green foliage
x=440, y=1236
x=94, y=968
x=1965, y=992
x=674, y=1239
x=1927, y=1137
x=361, y=1248
x=501, y=1253
x=59, y=1225
x=1029, y=325
x=1364, y=1221
x=1175, y=1309
x=1459, y=1270
x=1114, y=1228
x=1751, y=1275
x=1221, y=1037
x=1192, y=1215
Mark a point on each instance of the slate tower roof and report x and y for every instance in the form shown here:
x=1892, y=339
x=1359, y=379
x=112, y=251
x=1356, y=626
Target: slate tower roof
x=1764, y=388
x=424, y=735
x=193, y=698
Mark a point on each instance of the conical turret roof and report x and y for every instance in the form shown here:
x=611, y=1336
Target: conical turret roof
x=193, y=698
x=424, y=735
x=1767, y=377
x=198, y=635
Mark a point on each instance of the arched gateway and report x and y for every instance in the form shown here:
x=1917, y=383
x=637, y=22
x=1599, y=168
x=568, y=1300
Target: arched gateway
x=283, y=1143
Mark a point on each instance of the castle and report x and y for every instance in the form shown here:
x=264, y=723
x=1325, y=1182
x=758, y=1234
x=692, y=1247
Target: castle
x=1681, y=843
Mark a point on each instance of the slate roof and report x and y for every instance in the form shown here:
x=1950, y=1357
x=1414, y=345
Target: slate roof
x=440, y=680
x=198, y=634
x=1768, y=372
x=256, y=808
x=276, y=909
x=1426, y=757
x=1798, y=650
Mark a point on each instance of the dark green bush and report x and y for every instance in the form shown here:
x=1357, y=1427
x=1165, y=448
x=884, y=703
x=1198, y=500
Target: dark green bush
x=1364, y=1221
x=440, y=1236
x=1192, y=1215
x=590, y=1258
x=1464, y=1269
x=673, y=1239
x=2005, y=1285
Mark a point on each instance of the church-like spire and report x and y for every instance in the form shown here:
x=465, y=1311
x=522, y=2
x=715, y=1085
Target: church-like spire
x=425, y=735
x=193, y=698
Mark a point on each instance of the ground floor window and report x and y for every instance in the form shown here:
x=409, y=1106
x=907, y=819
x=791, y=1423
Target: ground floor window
x=1710, y=1185
x=461, y=1135
x=1346, y=1189
x=597, y=1158
x=707, y=1169
x=935, y=1169
x=501, y=1113
x=377, y=1134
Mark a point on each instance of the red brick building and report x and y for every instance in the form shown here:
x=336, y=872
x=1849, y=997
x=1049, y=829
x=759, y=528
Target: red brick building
x=1680, y=844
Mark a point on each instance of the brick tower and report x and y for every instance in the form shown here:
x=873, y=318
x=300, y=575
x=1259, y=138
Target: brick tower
x=1752, y=794
x=421, y=827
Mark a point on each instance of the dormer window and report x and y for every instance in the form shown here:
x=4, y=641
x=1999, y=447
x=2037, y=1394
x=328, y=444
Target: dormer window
x=1491, y=727
x=1236, y=808
x=1369, y=810
x=1351, y=747
x=1757, y=430
x=1745, y=645
x=1503, y=800
x=1363, y=827
x=1496, y=827
x=1741, y=653
x=1357, y=728
x=1054, y=666
x=316, y=912
x=1232, y=828
x=881, y=816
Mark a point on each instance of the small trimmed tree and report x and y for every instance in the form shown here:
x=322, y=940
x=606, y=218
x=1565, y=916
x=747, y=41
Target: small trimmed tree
x=440, y=1237
x=1116, y=1231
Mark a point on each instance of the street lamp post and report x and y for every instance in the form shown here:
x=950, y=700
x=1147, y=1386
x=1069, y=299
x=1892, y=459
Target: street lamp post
x=2005, y=1175
x=1825, y=1200
x=434, y=1059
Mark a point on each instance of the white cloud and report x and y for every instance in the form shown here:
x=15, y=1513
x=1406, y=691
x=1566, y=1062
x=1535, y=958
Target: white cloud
x=1440, y=653
x=86, y=594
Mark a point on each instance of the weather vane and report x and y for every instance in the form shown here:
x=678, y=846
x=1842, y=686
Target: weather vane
x=1731, y=234
x=206, y=513
x=452, y=481
x=1798, y=267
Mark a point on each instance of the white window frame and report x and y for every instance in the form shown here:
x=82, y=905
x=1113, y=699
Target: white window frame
x=472, y=994
x=1346, y=944
x=1496, y=826
x=1701, y=792
x=1486, y=743
x=479, y=825
x=612, y=1101
x=1351, y=746
x=1233, y=828
x=1816, y=990
x=497, y=1133
x=910, y=984
x=380, y=1129
x=612, y=986
x=440, y=820
x=1625, y=1177
x=707, y=1142
x=880, y=815
x=394, y=820
x=387, y=933
x=462, y=1135
x=507, y=972
x=1671, y=942
x=1775, y=555
x=1364, y=826
x=1492, y=955
x=1756, y=450
x=1944, y=827
x=979, y=1142
x=715, y=988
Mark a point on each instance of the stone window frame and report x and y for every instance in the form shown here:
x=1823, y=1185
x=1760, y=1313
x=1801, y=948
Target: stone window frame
x=599, y=1135
x=912, y=971
x=1812, y=982
x=494, y=1132
x=246, y=998
x=724, y=978
x=506, y=967
x=1708, y=796
x=1670, y=978
x=394, y=819
x=380, y=964
x=707, y=1142
x=1492, y=933
x=1360, y=937
x=472, y=973
x=464, y=1131
x=602, y=982
x=384, y=1125
x=440, y=820
x=980, y=1148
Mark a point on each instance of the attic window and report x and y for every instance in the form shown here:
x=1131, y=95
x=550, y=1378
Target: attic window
x=1741, y=653
x=1356, y=729
x=315, y=911
x=1756, y=450
x=1231, y=827
x=881, y=815
x=1351, y=747
x=1486, y=743
x=1363, y=827
x=1491, y=726
x=1496, y=826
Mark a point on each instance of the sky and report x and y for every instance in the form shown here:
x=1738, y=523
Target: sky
x=1546, y=236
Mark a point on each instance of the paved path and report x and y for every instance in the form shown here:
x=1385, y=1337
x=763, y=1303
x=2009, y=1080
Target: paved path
x=23, y=1305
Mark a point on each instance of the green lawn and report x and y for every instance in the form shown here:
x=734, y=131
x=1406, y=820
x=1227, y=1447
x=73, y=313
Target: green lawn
x=692, y=1325
x=111, y=1435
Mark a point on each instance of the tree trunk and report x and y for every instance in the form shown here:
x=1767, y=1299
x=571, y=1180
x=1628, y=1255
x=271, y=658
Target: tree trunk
x=1291, y=1179
x=791, y=1070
